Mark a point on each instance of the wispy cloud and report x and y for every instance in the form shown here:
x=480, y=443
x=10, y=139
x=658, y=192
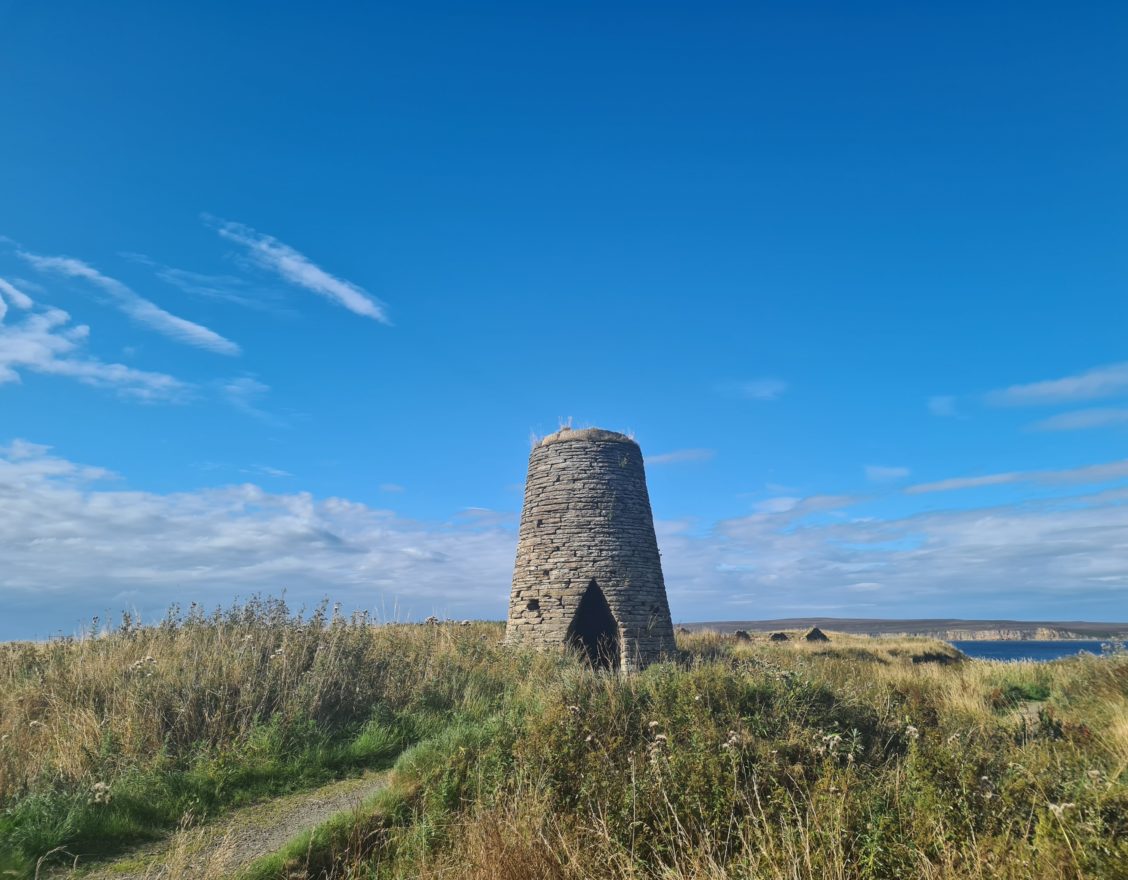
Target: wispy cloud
x=1094, y=473
x=1078, y=420
x=296, y=268
x=778, y=504
x=224, y=288
x=267, y=471
x=394, y=488
x=790, y=508
x=883, y=473
x=14, y=295
x=755, y=389
x=244, y=394
x=943, y=405
x=45, y=342
x=1105, y=381
x=680, y=456
x=953, y=483
x=137, y=307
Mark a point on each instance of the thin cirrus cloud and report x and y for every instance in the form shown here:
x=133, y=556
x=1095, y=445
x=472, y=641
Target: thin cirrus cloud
x=267, y=471
x=1105, y=381
x=796, y=507
x=224, y=288
x=680, y=456
x=755, y=389
x=953, y=483
x=137, y=307
x=244, y=394
x=943, y=405
x=1082, y=419
x=296, y=268
x=878, y=473
x=1094, y=473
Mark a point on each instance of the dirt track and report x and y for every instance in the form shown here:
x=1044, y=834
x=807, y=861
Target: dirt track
x=224, y=848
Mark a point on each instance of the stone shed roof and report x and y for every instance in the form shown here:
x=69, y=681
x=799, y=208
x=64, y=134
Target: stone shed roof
x=590, y=434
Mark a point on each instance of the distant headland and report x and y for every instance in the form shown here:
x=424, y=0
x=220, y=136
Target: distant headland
x=949, y=629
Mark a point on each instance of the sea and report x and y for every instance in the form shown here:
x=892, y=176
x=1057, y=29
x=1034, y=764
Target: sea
x=1013, y=649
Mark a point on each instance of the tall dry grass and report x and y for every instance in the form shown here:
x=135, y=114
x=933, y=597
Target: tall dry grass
x=113, y=737
x=857, y=758
x=75, y=709
x=862, y=758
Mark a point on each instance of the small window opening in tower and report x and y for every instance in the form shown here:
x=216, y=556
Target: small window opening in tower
x=593, y=630
x=533, y=605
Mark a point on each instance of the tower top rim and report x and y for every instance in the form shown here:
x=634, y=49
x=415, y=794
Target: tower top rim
x=587, y=435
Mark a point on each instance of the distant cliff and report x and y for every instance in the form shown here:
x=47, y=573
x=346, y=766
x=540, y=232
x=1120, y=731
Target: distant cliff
x=950, y=630
x=1039, y=633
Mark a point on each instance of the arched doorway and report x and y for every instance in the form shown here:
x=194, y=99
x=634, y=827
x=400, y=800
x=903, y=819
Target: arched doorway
x=593, y=630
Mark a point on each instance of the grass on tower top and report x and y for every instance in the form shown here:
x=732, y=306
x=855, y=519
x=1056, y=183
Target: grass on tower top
x=592, y=435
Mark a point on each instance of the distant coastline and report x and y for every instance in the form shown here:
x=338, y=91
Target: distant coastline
x=948, y=629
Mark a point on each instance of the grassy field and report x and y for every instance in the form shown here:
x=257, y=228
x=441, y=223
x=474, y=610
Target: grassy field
x=857, y=758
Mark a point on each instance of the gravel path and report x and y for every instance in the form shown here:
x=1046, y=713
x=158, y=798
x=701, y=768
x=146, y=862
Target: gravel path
x=225, y=847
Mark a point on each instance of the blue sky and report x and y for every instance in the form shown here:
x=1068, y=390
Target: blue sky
x=287, y=291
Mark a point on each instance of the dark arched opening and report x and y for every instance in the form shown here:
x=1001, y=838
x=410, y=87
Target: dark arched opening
x=593, y=630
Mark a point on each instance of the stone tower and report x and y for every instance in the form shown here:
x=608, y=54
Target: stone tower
x=588, y=574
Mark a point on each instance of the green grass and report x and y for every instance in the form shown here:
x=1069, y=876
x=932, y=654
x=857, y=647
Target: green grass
x=142, y=804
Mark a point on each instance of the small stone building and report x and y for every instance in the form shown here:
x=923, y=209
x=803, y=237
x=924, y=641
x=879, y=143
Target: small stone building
x=588, y=575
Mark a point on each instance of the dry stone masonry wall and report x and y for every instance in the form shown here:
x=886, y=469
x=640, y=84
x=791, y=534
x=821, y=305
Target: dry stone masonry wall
x=587, y=568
